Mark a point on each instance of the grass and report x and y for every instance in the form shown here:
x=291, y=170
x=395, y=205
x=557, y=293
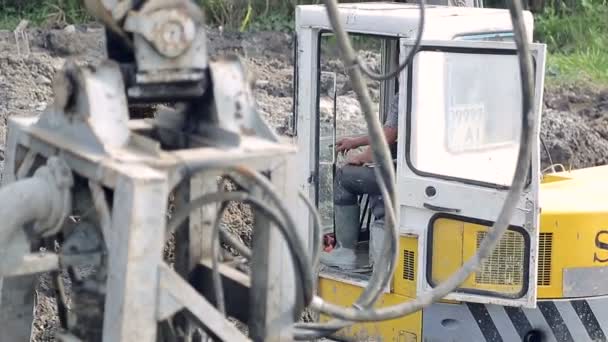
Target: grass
x=41, y=13
x=590, y=66
x=577, y=42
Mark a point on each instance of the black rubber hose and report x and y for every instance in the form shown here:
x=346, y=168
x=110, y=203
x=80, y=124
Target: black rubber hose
x=379, y=77
x=295, y=245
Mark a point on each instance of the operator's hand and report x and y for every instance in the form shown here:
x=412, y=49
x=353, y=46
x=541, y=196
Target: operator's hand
x=346, y=144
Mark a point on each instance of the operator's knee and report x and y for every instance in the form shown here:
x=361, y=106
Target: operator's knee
x=342, y=194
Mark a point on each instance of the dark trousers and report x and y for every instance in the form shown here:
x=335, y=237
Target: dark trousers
x=352, y=181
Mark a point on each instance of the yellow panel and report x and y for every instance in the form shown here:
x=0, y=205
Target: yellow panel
x=550, y=178
x=408, y=328
x=455, y=241
x=447, y=248
x=404, y=281
x=577, y=240
x=573, y=226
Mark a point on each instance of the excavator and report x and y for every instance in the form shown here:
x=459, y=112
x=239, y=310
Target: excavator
x=458, y=130
x=89, y=186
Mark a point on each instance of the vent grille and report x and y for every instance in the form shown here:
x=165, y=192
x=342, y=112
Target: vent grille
x=545, y=250
x=408, y=265
x=505, y=266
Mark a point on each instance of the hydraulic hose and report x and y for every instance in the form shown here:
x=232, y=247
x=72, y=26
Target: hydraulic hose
x=317, y=231
x=295, y=245
x=215, y=256
x=291, y=235
x=284, y=219
x=317, y=238
x=503, y=220
x=235, y=243
x=379, y=77
x=23, y=202
x=385, y=174
x=44, y=199
x=308, y=331
x=380, y=151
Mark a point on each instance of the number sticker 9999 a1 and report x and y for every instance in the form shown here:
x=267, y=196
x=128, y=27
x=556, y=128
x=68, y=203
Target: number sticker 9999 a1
x=466, y=128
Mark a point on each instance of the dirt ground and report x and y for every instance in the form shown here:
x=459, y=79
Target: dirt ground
x=574, y=125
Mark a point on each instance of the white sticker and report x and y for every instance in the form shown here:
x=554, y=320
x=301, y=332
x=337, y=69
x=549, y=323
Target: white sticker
x=466, y=127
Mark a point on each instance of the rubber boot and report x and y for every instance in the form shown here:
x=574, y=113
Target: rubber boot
x=347, y=234
x=377, y=233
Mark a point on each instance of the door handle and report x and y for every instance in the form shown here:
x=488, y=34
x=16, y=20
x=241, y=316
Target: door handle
x=441, y=209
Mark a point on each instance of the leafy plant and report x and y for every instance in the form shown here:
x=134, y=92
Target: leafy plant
x=577, y=40
x=49, y=12
x=273, y=22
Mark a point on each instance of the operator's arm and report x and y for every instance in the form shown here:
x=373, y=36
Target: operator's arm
x=349, y=143
x=364, y=157
x=390, y=132
x=346, y=144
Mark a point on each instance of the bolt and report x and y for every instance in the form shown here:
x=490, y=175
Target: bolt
x=172, y=32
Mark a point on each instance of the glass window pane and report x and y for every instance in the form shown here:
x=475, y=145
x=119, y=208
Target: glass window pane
x=327, y=151
x=466, y=116
x=340, y=114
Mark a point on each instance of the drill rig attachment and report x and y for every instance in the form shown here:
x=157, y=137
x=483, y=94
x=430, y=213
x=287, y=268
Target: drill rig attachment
x=113, y=176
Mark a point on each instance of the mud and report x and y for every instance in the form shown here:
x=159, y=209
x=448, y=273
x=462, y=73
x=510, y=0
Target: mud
x=574, y=126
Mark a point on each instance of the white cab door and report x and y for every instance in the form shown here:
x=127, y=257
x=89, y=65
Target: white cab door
x=460, y=125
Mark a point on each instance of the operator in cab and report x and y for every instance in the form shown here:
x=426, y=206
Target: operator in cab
x=356, y=178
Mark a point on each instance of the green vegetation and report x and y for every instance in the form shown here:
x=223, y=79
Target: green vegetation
x=257, y=15
x=41, y=13
x=576, y=32
x=235, y=15
x=577, y=42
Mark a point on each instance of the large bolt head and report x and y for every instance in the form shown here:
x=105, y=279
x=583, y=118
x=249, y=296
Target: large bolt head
x=175, y=34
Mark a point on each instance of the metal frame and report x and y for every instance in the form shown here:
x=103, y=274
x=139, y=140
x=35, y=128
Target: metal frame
x=401, y=20
x=121, y=174
x=141, y=289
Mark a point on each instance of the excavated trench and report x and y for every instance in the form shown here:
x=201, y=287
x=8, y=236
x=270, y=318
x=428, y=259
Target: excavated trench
x=574, y=124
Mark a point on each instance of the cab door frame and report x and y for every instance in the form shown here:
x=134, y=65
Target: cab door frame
x=471, y=200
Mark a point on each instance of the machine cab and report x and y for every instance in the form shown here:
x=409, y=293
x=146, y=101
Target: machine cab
x=459, y=122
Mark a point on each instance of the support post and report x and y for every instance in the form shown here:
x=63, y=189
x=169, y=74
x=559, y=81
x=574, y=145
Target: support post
x=273, y=288
x=136, y=250
x=16, y=293
x=201, y=219
x=17, y=307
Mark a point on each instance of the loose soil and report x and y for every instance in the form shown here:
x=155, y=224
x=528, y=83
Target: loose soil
x=574, y=125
